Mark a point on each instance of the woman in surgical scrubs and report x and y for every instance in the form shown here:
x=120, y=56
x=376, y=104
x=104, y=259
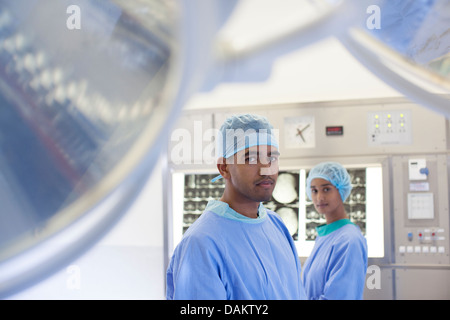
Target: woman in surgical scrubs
x=336, y=268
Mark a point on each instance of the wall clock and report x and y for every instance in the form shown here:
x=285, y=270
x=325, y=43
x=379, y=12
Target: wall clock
x=300, y=132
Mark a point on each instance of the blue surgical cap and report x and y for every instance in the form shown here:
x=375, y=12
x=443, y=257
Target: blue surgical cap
x=240, y=132
x=335, y=174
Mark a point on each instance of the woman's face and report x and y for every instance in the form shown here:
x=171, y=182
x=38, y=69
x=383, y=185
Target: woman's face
x=326, y=198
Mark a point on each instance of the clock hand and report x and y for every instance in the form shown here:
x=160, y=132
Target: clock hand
x=299, y=133
x=306, y=127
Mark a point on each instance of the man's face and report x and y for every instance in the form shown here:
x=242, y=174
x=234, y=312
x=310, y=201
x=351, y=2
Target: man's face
x=254, y=172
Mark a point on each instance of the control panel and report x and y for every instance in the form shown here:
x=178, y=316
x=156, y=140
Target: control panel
x=389, y=128
x=421, y=215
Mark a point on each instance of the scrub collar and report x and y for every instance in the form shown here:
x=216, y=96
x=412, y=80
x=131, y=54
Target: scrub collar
x=326, y=229
x=223, y=209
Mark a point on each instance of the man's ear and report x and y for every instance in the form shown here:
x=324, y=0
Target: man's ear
x=223, y=168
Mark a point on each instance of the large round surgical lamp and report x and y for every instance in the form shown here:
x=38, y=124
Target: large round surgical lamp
x=88, y=90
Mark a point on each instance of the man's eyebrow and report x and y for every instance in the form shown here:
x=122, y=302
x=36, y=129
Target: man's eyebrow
x=250, y=153
x=255, y=152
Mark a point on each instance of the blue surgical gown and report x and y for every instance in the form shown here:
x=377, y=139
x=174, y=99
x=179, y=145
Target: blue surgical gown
x=337, y=266
x=225, y=255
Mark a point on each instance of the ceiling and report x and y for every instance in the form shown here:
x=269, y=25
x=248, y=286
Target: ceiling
x=322, y=71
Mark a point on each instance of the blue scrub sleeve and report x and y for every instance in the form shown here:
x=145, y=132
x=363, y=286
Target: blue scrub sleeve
x=347, y=274
x=195, y=272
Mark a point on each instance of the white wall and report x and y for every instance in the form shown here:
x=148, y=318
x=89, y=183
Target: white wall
x=126, y=264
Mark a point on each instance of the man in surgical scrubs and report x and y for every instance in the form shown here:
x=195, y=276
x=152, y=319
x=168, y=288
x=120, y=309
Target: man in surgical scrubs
x=238, y=249
x=336, y=268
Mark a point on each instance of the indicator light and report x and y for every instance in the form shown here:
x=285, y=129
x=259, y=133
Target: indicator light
x=420, y=236
x=410, y=236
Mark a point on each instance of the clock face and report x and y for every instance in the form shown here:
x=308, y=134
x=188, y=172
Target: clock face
x=300, y=132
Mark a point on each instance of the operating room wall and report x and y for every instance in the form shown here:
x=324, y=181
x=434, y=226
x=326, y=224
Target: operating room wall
x=427, y=132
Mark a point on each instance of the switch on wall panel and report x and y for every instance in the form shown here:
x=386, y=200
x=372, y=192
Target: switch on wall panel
x=417, y=169
x=389, y=128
